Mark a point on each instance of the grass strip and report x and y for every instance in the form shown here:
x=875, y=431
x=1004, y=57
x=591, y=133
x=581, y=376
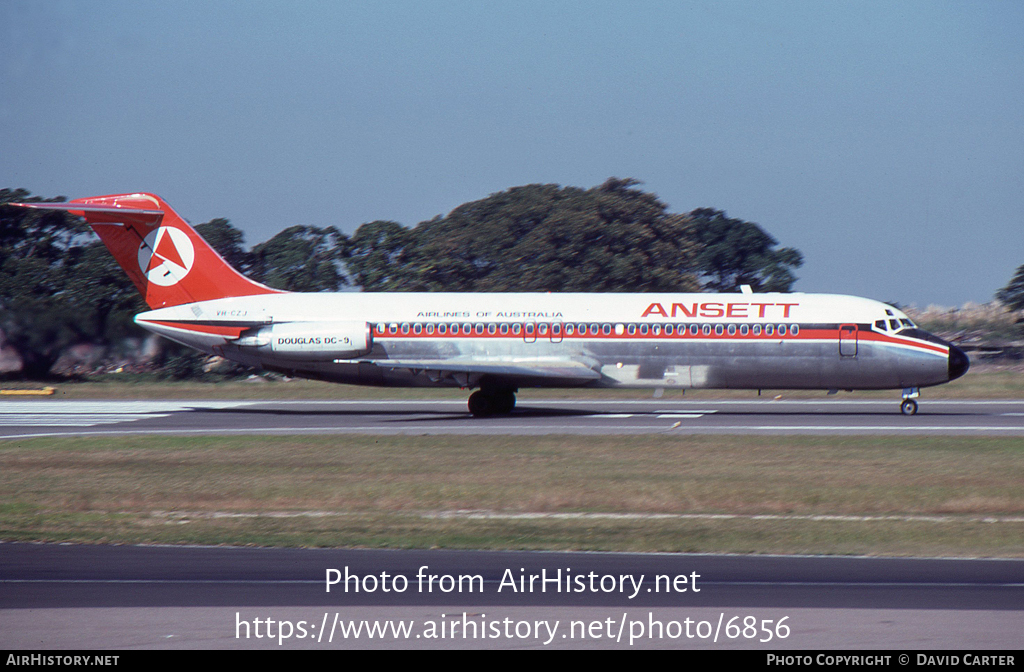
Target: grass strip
x=388, y=491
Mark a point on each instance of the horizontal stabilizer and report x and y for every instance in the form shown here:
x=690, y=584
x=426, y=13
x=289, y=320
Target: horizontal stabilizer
x=102, y=214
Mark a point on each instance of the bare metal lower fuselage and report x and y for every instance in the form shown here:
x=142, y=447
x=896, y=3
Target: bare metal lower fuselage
x=685, y=365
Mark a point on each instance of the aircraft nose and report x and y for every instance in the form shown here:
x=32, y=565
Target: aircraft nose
x=958, y=362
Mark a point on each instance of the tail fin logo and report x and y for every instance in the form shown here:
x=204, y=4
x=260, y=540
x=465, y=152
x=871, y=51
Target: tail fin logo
x=166, y=256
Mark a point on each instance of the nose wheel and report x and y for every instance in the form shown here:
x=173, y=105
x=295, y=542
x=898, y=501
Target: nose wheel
x=909, y=405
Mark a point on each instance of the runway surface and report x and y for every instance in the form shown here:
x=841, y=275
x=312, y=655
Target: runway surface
x=19, y=419
x=66, y=575
x=132, y=596
x=87, y=597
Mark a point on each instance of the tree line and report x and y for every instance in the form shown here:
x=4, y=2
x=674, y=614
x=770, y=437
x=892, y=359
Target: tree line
x=60, y=287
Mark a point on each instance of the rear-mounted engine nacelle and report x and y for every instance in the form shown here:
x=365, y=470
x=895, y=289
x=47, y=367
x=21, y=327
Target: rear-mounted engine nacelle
x=312, y=341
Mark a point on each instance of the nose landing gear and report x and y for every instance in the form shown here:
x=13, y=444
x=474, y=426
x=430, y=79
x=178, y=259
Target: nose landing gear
x=909, y=405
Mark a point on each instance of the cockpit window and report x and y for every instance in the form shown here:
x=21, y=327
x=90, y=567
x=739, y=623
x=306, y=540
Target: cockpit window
x=894, y=325
x=906, y=323
x=880, y=325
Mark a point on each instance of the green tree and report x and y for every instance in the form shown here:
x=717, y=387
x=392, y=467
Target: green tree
x=733, y=252
x=101, y=300
x=301, y=259
x=379, y=257
x=58, y=286
x=1012, y=296
x=538, y=237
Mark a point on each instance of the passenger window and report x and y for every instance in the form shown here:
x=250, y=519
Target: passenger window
x=782, y=330
x=380, y=329
x=542, y=329
x=707, y=330
x=656, y=330
x=744, y=330
x=568, y=330
x=756, y=330
x=442, y=329
x=795, y=329
x=530, y=327
x=492, y=329
x=417, y=329
x=479, y=329
x=467, y=329
x=668, y=330
x=430, y=329
x=607, y=329
x=631, y=330
x=769, y=330
x=406, y=327
x=644, y=329
x=503, y=329
x=393, y=328
x=517, y=329
x=719, y=330
x=732, y=329
x=694, y=329
x=594, y=329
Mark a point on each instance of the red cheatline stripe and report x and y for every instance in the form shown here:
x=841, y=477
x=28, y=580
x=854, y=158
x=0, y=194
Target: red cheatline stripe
x=804, y=335
x=895, y=340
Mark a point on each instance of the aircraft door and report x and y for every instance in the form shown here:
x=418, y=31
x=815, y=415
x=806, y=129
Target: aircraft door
x=848, y=340
x=530, y=332
x=556, y=332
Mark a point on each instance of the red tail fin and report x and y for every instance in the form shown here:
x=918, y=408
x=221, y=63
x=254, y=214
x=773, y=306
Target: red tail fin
x=167, y=260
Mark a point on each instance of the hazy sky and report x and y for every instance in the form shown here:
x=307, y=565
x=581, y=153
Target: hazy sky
x=885, y=140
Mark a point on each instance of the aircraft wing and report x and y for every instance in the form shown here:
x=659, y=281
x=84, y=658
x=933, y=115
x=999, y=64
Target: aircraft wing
x=570, y=370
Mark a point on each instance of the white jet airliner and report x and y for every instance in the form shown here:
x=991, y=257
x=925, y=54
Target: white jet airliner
x=499, y=343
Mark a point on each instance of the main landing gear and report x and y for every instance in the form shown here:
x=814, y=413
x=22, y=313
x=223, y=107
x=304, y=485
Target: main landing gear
x=909, y=405
x=483, y=403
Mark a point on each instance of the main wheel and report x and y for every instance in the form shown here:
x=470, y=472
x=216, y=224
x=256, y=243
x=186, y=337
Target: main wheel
x=504, y=402
x=481, y=405
x=908, y=407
